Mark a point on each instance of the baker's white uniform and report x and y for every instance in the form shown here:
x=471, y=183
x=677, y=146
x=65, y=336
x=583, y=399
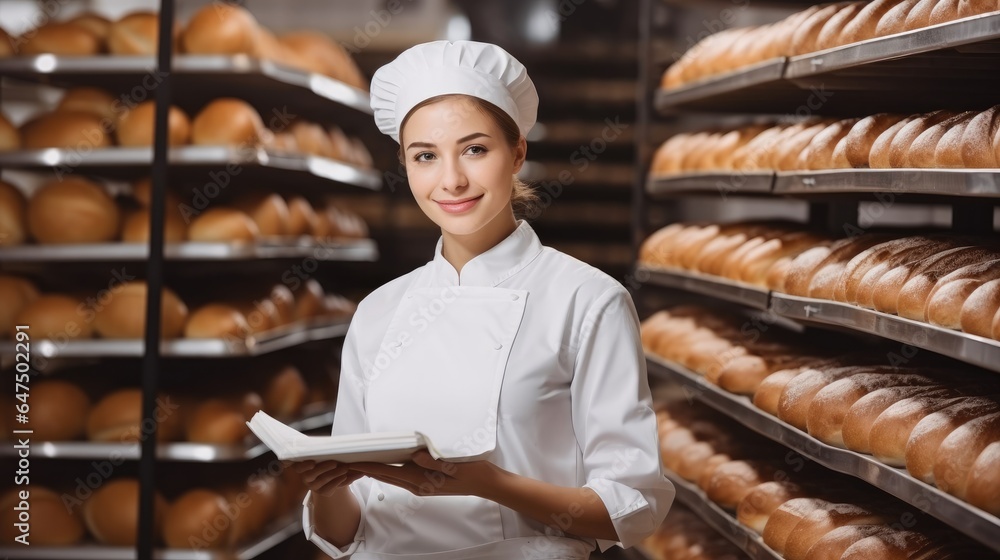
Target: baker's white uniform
x=531, y=360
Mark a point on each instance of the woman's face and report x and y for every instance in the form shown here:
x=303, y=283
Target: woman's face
x=459, y=165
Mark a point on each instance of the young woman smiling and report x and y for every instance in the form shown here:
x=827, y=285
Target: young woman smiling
x=522, y=364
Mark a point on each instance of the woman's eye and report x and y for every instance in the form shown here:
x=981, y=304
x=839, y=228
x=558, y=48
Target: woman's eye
x=476, y=150
x=423, y=156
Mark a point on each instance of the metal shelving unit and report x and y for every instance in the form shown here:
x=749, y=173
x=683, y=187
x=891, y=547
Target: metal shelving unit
x=257, y=345
x=734, y=183
x=195, y=162
x=276, y=533
x=721, y=288
x=972, y=521
x=346, y=251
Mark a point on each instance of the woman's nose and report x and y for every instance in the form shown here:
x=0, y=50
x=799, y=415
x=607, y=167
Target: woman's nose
x=453, y=177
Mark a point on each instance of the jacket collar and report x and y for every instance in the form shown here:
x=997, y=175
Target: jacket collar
x=493, y=266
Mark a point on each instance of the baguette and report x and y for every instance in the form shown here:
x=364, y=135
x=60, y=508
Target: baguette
x=894, y=21
x=879, y=155
x=830, y=34
x=863, y=26
x=971, y=8
x=920, y=15
x=756, y=266
x=805, y=36
x=818, y=154
x=859, y=140
x=948, y=154
x=923, y=152
x=899, y=149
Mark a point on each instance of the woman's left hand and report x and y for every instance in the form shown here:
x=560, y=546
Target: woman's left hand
x=426, y=476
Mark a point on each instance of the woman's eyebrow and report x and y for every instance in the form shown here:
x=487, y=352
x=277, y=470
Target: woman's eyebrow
x=459, y=141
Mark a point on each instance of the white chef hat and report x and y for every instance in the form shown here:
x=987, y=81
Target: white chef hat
x=437, y=68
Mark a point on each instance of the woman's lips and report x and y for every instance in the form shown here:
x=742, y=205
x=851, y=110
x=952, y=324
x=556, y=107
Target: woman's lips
x=459, y=207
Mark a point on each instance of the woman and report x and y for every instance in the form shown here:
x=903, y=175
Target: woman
x=523, y=365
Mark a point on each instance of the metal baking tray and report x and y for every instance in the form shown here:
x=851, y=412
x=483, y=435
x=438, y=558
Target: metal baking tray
x=271, y=341
x=714, y=91
x=966, y=518
x=969, y=348
x=263, y=83
x=943, y=182
x=723, y=184
x=135, y=162
x=714, y=286
x=275, y=534
x=359, y=250
x=178, y=451
x=725, y=524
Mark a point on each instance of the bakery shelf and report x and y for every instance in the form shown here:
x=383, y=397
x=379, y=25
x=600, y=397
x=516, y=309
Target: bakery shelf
x=276, y=533
x=721, y=288
x=209, y=164
x=716, y=517
x=266, y=85
x=723, y=184
x=271, y=341
x=358, y=250
x=969, y=348
x=964, y=517
x=941, y=182
x=178, y=451
x=757, y=88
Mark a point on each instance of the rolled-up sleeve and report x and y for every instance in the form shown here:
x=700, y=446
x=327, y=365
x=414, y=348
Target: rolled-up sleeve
x=349, y=418
x=614, y=420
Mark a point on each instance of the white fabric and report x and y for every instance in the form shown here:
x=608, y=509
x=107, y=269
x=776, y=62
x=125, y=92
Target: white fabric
x=574, y=409
x=427, y=70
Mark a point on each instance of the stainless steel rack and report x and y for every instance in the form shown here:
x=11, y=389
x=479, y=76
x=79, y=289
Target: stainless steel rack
x=968, y=519
x=720, y=288
x=734, y=183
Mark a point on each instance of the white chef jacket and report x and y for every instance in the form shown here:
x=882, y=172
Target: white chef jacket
x=531, y=360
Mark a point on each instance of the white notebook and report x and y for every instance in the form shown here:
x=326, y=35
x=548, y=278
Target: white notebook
x=290, y=444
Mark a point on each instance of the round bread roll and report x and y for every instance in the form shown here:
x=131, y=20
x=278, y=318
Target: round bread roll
x=192, y=521
x=284, y=300
x=136, y=127
x=927, y=436
x=268, y=210
x=54, y=316
x=73, y=210
x=983, y=483
x=100, y=26
x=124, y=316
x=216, y=321
x=224, y=225
x=54, y=523
x=302, y=219
x=285, y=393
x=15, y=294
x=117, y=418
x=58, y=410
x=66, y=129
x=221, y=29
x=136, y=35
x=64, y=39
x=137, y=223
x=10, y=137
x=13, y=215
x=91, y=100
x=309, y=300
x=112, y=513
x=221, y=421
x=312, y=139
x=760, y=502
x=228, y=121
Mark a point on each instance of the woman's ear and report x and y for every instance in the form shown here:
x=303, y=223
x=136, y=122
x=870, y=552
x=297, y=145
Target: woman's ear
x=520, y=154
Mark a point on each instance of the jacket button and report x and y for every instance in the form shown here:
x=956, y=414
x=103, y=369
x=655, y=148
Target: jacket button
x=513, y=297
x=497, y=346
x=381, y=496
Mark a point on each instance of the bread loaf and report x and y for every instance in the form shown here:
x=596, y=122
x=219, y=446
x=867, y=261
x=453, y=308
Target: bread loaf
x=923, y=152
x=64, y=39
x=321, y=53
x=54, y=316
x=899, y=149
x=786, y=157
x=222, y=421
x=879, y=156
x=768, y=395
x=818, y=523
x=977, y=139
x=692, y=458
x=99, y=25
x=849, y=282
x=887, y=289
x=891, y=430
x=806, y=35
x=948, y=154
x=10, y=137
x=15, y=294
x=112, y=512
x=284, y=300
x=190, y=522
x=859, y=140
x=925, y=439
x=117, y=418
x=829, y=407
x=959, y=451
x=58, y=410
x=830, y=35
x=223, y=225
x=216, y=321
x=970, y=8
x=268, y=210
x=91, y=100
x=818, y=154
x=13, y=216
x=124, y=315
x=229, y=122
x=301, y=216
x=137, y=126
x=732, y=481
x=948, y=297
x=979, y=309
x=920, y=15
x=221, y=29
x=135, y=228
x=892, y=544
x=983, y=483
x=759, y=503
x=756, y=265
x=798, y=394
x=72, y=210
x=863, y=26
x=862, y=415
x=135, y=35
x=894, y=20
x=944, y=11
x=61, y=527
x=66, y=129
x=915, y=294
x=862, y=290
x=783, y=520
x=832, y=545
x=825, y=276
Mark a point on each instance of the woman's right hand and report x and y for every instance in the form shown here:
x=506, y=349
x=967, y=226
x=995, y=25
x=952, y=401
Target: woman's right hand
x=325, y=477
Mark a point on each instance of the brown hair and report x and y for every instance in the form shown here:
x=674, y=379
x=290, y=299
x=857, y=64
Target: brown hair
x=523, y=198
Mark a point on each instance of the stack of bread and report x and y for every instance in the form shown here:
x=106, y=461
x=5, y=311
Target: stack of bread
x=91, y=118
x=946, y=280
x=941, y=139
x=75, y=210
x=817, y=28
x=684, y=535
x=119, y=311
x=800, y=514
x=216, y=29
x=200, y=518
x=934, y=421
